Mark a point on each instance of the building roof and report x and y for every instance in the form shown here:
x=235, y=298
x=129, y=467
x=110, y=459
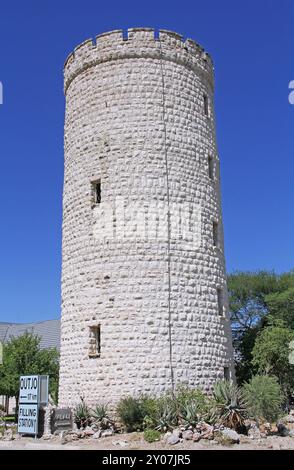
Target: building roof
x=49, y=332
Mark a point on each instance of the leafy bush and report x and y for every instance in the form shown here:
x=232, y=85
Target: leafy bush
x=270, y=354
x=263, y=398
x=228, y=405
x=148, y=412
x=82, y=415
x=151, y=435
x=131, y=413
x=150, y=408
x=162, y=414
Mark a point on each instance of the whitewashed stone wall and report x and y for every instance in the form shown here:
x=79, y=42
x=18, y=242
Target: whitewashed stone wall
x=133, y=105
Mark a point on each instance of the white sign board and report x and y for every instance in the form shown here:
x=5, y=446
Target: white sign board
x=28, y=419
x=29, y=389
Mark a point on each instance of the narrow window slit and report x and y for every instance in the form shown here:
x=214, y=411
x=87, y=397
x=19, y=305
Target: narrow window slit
x=210, y=168
x=96, y=192
x=205, y=105
x=94, y=341
x=220, y=302
x=215, y=234
x=227, y=373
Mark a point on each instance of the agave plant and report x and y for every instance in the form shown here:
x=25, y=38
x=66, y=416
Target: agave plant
x=192, y=405
x=229, y=406
x=82, y=415
x=166, y=416
x=101, y=416
x=190, y=413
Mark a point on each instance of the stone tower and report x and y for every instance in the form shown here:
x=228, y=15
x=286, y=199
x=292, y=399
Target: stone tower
x=144, y=299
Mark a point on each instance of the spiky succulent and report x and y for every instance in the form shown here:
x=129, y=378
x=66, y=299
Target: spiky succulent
x=82, y=415
x=229, y=407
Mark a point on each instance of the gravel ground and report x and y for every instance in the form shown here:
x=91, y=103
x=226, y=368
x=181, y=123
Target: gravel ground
x=135, y=441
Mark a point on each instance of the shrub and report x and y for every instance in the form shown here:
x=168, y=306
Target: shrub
x=263, y=398
x=82, y=415
x=151, y=435
x=147, y=412
x=149, y=407
x=131, y=413
x=270, y=354
x=228, y=405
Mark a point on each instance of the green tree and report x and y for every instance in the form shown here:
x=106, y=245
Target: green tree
x=254, y=298
x=247, y=291
x=270, y=354
x=248, y=310
x=281, y=303
x=22, y=355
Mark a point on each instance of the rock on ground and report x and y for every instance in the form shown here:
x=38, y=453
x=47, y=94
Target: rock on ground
x=120, y=443
x=196, y=436
x=231, y=435
x=107, y=433
x=188, y=435
x=254, y=432
x=172, y=439
x=282, y=430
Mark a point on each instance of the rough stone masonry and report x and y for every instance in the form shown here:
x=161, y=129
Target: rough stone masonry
x=144, y=298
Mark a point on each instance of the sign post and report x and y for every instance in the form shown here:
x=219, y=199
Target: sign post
x=33, y=392
x=28, y=419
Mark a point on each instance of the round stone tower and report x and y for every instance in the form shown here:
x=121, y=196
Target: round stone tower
x=144, y=299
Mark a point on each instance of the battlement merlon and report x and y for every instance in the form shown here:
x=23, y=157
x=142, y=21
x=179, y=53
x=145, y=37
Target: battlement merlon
x=136, y=43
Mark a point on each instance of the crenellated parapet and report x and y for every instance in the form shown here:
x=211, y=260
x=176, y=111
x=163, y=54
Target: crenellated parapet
x=137, y=43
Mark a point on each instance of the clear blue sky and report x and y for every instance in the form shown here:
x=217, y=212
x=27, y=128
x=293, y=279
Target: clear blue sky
x=252, y=46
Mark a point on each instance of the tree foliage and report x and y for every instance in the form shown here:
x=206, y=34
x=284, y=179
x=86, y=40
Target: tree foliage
x=270, y=354
x=248, y=298
x=256, y=299
x=22, y=355
x=281, y=306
